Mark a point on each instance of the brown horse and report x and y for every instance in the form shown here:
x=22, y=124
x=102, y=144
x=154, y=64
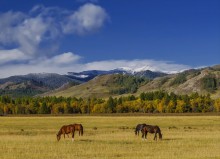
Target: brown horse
x=79, y=127
x=151, y=129
x=66, y=129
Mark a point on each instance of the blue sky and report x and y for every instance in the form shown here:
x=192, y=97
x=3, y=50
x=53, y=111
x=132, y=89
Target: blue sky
x=75, y=35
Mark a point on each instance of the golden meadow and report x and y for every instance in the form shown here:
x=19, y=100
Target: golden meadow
x=187, y=137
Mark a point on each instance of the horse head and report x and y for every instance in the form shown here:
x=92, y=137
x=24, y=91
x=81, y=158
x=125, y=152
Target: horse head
x=58, y=137
x=135, y=131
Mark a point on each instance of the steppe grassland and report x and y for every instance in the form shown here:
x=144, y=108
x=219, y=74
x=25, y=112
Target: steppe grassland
x=110, y=137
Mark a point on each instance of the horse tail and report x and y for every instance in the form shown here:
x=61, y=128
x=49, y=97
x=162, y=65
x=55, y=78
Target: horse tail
x=81, y=129
x=159, y=132
x=158, y=128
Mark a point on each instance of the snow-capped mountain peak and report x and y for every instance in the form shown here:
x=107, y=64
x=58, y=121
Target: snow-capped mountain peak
x=125, y=69
x=142, y=71
x=137, y=69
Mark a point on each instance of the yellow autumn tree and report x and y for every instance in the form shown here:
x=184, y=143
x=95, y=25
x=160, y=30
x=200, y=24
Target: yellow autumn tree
x=170, y=107
x=180, y=106
x=161, y=106
x=217, y=105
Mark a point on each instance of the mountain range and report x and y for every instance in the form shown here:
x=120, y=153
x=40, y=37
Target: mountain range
x=34, y=84
x=97, y=83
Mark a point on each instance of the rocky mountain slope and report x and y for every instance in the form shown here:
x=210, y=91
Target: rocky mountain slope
x=203, y=81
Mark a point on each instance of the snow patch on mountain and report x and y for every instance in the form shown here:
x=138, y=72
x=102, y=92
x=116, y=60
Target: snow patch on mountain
x=80, y=76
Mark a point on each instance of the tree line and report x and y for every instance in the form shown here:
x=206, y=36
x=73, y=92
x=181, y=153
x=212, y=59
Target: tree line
x=151, y=102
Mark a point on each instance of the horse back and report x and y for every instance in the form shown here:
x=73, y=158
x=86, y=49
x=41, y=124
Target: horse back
x=151, y=129
x=79, y=127
x=67, y=129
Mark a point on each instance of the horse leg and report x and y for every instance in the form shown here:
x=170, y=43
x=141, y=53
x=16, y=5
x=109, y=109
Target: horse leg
x=143, y=135
x=155, y=136
x=73, y=136
x=146, y=136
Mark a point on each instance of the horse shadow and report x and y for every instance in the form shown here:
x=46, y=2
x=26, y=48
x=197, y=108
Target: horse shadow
x=86, y=140
x=171, y=139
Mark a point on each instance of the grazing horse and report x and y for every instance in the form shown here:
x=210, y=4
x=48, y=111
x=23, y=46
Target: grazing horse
x=66, y=129
x=151, y=129
x=138, y=128
x=79, y=127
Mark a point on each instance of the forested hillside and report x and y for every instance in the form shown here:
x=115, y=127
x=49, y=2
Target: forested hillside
x=103, y=86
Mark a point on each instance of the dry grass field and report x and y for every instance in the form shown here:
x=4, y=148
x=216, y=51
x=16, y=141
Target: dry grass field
x=185, y=137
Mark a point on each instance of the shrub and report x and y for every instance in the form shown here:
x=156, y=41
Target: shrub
x=209, y=83
x=181, y=78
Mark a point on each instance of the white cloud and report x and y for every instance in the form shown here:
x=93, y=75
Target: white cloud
x=12, y=55
x=57, y=64
x=23, y=32
x=35, y=33
x=63, y=59
x=30, y=34
x=87, y=19
x=9, y=21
